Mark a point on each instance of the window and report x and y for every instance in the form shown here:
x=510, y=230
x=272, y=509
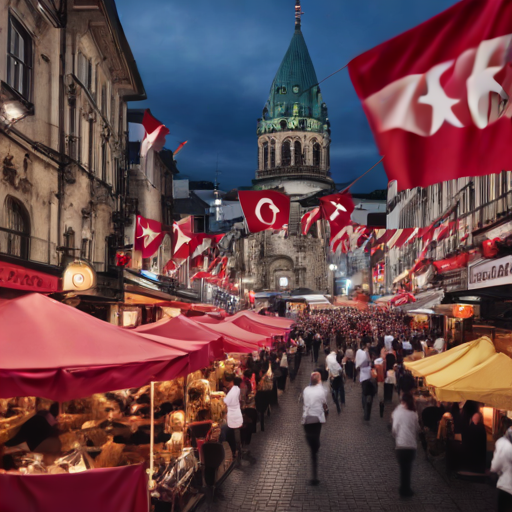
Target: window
x=18, y=228
x=298, y=152
x=286, y=154
x=316, y=154
x=265, y=155
x=272, y=153
x=19, y=58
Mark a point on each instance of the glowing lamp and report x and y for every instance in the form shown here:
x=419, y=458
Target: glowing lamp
x=78, y=276
x=462, y=311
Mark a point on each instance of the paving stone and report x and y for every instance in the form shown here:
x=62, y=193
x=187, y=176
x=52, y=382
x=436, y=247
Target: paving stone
x=357, y=466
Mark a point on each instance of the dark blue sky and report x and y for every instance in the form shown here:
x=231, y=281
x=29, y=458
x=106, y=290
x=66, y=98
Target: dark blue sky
x=207, y=68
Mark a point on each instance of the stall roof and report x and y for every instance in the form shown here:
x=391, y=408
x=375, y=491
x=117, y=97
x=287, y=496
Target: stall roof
x=235, y=332
x=54, y=351
x=246, y=322
x=272, y=321
x=458, y=359
x=183, y=328
x=489, y=382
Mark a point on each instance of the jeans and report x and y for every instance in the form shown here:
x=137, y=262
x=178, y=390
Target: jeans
x=405, y=458
x=312, y=432
x=338, y=391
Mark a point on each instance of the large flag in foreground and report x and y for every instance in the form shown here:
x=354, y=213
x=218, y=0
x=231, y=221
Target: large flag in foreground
x=435, y=96
x=264, y=209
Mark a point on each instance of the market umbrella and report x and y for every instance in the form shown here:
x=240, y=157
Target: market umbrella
x=51, y=350
x=273, y=321
x=246, y=322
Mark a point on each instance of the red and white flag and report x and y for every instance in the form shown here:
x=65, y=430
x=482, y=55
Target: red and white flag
x=181, y=239
x=149, y=234
x=434, y=95
x=337, y=209
x=264, y=209
x=309, y=218
x=155, y=134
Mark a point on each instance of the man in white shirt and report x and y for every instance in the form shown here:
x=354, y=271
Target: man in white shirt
x=336, y=377
x=234, y=412
x=365, y=370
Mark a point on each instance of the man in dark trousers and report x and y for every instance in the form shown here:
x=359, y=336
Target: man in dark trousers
x=317, y=341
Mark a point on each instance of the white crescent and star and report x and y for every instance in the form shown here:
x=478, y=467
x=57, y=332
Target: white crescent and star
x=147, y=234
x=337, y=212
x=275, y=210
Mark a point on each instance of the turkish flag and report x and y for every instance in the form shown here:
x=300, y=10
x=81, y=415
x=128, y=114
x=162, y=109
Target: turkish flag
x=337, y=209
x=181, y=239
x=309, y=218
x=155, y=134
x=264, y=209
x=149, y=234
x=434, y=95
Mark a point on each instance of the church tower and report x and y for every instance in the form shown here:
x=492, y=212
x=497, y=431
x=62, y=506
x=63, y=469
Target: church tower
x=294, y=131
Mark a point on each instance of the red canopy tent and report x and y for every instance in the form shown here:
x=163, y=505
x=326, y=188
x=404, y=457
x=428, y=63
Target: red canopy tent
x=273, y=321
x=207, y=319
x=183, y=328
x=51, y=350
x=232, y=331
x=246, y=322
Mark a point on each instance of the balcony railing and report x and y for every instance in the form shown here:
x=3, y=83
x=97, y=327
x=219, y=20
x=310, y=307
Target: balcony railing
x=301, y=170
x=26, y=247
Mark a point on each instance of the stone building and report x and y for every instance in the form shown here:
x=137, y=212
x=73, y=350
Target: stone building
x=67, y=73
x=293, y=157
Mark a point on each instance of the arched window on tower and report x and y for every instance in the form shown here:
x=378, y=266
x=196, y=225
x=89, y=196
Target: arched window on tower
x=272, y=153
x=327, y=158
x=265, y=155
x=316, y=154
x=17, y=228
x=298, y=152
x=286, y=153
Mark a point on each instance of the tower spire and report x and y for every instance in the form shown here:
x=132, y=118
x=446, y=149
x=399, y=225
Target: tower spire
x=298, y=13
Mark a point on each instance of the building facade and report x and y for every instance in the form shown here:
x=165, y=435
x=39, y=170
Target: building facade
x=293, y=157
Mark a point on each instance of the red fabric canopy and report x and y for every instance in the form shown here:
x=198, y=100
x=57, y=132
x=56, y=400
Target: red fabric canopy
x=51, y=350
x=273, y=321
x=246, y=322
x=239, y=334
x=459, y=261
x=207, y=319
x=183, y=328
x=123, y=488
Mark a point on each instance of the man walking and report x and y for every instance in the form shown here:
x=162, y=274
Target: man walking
x=317, y=341
x=363, y=363
x=336, y=378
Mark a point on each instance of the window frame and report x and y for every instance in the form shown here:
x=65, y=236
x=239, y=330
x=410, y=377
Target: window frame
x=27, y=63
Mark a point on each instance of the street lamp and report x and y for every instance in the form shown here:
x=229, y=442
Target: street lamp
x=332, y=268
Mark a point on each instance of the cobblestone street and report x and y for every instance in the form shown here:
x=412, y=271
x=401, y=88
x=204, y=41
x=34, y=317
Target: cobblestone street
x=358, y=470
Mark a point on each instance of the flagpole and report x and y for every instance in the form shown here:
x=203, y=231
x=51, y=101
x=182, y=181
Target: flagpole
x=357, y=179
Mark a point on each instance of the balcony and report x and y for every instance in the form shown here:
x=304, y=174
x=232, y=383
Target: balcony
x=293, y=170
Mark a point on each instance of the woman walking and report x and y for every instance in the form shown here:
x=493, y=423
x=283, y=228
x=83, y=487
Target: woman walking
x=502, y=464
x=405, y=429
x=312, y=418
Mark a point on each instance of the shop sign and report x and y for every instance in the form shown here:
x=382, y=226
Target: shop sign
x=21, y=278
x=490, y=273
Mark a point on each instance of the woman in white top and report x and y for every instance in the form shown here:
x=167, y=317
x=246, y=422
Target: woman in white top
x=502, y=464
x=313, y=416
x=405, y=429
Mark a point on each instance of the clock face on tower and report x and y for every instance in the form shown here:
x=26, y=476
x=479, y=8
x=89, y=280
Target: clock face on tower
x=295, y=89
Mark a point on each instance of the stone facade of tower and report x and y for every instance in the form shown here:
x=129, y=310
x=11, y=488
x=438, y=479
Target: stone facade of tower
x=293, y=157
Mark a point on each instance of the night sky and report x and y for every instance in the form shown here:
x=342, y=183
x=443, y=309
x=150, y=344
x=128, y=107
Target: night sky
x=207, y=68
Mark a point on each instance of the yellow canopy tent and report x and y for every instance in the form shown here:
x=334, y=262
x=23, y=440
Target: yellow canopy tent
x=455, y=361
x=489, y=382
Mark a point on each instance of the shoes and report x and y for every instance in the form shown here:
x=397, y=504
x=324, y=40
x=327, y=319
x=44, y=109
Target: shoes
x=406, y=494
x=314, y=482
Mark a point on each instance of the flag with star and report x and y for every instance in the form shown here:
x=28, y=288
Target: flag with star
x=337, y=209
x=149, y=234
x=436, y=96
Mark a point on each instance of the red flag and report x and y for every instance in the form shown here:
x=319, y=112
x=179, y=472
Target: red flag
x=149, y=234
x=433, y=99
x=155, y=134
x=264, y=209
x=179, y=148
x=308, y=219
x=337, y=209
x=181, y=239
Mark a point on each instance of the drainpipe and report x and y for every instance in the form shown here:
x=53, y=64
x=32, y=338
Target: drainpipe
x=62, y=134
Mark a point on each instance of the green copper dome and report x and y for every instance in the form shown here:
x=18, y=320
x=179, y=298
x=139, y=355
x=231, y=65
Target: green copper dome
x=295, y=101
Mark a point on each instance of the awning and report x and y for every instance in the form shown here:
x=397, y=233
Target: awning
x=425, y=300
x=274, y=321
x=440, y=368
x=245, y=321
x=51, y=350
x=25, y=279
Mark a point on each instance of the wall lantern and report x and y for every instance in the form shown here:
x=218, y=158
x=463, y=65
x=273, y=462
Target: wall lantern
x=462, y=311
x=78, y=276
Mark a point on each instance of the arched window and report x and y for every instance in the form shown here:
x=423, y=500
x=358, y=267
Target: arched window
x=272, y=153
x=17, y=227
x=298, y=152
x=316, y=154
x=286, y=153
x=265, y=155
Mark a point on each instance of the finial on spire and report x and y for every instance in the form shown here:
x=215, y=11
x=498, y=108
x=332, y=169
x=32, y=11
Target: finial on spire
x=298, y=13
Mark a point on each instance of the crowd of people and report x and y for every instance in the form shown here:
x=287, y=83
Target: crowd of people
x=370, y=346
